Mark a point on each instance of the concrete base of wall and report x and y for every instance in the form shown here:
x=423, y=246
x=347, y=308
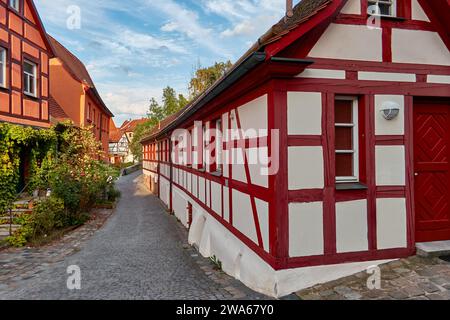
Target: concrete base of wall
x=240, y=262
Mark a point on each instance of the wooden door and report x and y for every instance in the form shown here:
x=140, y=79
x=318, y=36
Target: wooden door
x=432, y=169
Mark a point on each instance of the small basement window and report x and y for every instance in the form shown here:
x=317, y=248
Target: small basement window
x=2, y=67
x=384, y=8
x=346, y=139
x=29, y=78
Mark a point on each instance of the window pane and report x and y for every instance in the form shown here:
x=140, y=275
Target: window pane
x=343, y=111
x=344, y=138
x=2, y=66
x=344, y=165
x=28, y=68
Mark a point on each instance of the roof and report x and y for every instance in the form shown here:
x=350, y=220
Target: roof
x=77, y=70
x=55, y=110
x=130, y=125
x=302, y=12
x=115, y=135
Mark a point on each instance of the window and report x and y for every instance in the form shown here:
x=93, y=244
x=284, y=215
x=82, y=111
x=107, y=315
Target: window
x=346, y=139
x=88, y=112
x=29, y=78
x=219, y=146
x=15, y=4
x=2, y=67
x=204, y=148
x=386, y=8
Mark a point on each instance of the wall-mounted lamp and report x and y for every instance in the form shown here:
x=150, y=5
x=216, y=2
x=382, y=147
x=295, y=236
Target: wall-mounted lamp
x=390, y=110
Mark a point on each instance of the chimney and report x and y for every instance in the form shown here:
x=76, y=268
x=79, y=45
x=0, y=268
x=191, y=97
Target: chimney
x=289, y=9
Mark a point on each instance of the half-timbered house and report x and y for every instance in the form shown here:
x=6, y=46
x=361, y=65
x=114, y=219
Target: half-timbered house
x=347, y=104
x=24, y=65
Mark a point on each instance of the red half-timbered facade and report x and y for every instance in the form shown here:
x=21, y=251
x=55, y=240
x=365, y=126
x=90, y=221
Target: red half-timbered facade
x=24, y=65
x=347, y=107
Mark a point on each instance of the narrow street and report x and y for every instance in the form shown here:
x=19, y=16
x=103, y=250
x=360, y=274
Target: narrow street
x=140, y=253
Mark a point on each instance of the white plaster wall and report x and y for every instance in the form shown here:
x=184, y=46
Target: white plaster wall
x=306, y=168
x=390, y=165
x=262, y=208
x=164, y=191
x=201, y=189
x=226, y=161
x=352, y=7
x=304, y=113
x=238, y=169
x=254, y=115
x=438, y=79
x=208, y=193
x=240, y=262
x=179, y=205
x=189, y=182
x=257, y=157
x=349, y=42
x=195, y=185
x=351, y=226
x=386, y=76
x=306, y=229
x=243, y=215
x=417, y=12
x=391, y=223
x=323, y=74
x=226, y=204
x=392, y=127
x=418, y=46
x=216, y=198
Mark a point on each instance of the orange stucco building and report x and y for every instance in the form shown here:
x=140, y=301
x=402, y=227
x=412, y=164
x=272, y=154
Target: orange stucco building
x=74, y=95
x=25, y=51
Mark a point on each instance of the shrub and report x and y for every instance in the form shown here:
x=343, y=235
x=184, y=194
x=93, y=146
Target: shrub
x=48, y=215
x=21, y=236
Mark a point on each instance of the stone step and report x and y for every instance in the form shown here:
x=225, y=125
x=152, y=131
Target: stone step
x=22, y=210
x=433, y=249
x=6, y=226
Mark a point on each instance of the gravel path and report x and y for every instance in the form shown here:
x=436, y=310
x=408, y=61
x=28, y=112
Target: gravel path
x=140, y=253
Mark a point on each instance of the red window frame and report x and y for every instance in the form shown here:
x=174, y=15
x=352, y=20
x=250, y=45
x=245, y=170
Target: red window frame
x=360, y=134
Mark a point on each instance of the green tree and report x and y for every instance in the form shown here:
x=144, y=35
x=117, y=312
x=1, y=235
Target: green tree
x=170, y=101
x=204, y=78
x=156, y=112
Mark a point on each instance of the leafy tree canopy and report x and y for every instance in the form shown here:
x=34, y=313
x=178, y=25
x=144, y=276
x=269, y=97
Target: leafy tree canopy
x=205, y=77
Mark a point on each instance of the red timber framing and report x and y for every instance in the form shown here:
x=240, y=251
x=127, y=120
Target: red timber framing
x=23, y=37
x=276, y=79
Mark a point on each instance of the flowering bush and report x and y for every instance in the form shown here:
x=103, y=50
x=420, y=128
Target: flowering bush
x=71, y=166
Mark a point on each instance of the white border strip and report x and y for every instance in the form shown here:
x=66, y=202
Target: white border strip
x=386, y=76
x=323, y=74
x=438, y=79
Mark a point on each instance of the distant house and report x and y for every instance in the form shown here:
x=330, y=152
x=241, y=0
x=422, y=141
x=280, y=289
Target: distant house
x=24, y=65
x=120, y=140
x=74, y=95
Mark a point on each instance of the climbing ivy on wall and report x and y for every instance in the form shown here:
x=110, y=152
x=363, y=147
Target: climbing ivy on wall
x=38, y=144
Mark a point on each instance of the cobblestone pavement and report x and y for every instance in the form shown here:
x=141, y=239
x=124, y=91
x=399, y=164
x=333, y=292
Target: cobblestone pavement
x=140, y=253
x=414, y=278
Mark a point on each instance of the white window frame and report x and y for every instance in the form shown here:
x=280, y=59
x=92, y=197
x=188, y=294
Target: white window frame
x=355, y=151
x=33, y=76
x=392, y=3
x=219, y=145
x=15, y=4
x=3, y=66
